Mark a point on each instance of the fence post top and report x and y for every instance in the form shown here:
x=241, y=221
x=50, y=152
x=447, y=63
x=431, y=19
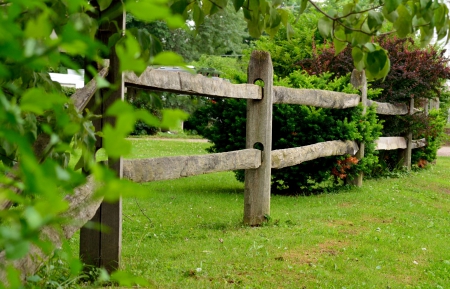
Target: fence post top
x=261, y=55
x=260, y=67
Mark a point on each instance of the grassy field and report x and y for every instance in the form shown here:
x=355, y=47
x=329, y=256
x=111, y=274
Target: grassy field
x=188, y=233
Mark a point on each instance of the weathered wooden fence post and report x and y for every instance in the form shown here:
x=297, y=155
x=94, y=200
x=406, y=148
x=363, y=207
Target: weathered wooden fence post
x=359, y=81
x=103, y=248
x=405, y=154
x=259, y=135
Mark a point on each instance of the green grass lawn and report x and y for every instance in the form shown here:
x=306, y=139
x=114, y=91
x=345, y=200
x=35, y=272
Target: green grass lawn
x=188, y=233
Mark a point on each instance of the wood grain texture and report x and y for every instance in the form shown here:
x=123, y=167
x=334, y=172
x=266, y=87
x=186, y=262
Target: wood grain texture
x=390, y=143
x=406, y=154
x=259, y=134
x=194, y=84
x=418, y=143
x=389, y=108
x=294, y=156
x=167, y=168
x=83, y=95
x=315, y=97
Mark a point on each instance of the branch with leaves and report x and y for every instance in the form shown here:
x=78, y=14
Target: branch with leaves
x=354, y=24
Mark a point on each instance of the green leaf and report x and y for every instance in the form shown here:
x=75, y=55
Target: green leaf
x=207, y=7
x=30, y=125
x=290, y=32
x=390, y=16
x=171, y=118
x=347, y=9
x=425, y=4
x=276, y=3
x=140, y=9
x=101, y=82
x=17, y=250
x=177, y=7
x=38, y=27
x=127, y=279
x=33, y=218
x=371, y=47
x=391, y=5
x=339, y=45
x=440, y=18
x=359, y=38
x=118, y=108
x=115, y=188
x=284, y=16
x=168, y=58
x=325, y=27
x=115, y=143
x=37, y=100
x=104, y=4
x=129, y=52
x=147, y=117
x=75, y=266
x=198, y=15
x=377, y=63
x=403, y=24
x=13, y=276
x=275, y=19
x=238, y=4
x=426, y=34
x=303, y=6
x=125, y=124
x=358, y=58
x=380, y=74
x=374, y=20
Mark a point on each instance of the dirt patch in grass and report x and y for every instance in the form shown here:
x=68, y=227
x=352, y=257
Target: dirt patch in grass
x=439, y=187
x=346, y=205
x=312, y=255
x=375, y=220
x=340, y=223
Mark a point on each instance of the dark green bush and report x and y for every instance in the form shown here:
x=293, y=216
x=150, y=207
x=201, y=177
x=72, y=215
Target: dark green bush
x=223, y=121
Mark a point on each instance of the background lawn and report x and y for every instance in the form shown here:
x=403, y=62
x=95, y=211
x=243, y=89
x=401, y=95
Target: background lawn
x=188, y=233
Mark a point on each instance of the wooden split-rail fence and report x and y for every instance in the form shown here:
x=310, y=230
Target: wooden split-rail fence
x=257, y=163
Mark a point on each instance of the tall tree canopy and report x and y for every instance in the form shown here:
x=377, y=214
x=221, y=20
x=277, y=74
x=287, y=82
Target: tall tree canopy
x=221, y=33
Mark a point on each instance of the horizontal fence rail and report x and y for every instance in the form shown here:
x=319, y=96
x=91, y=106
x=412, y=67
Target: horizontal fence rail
x=419, y=143
x=315, y=97
x=294, y=156
x=167, y=168
x=389, y=108
x=390, y=143
x=194, y=84
x=397, y=142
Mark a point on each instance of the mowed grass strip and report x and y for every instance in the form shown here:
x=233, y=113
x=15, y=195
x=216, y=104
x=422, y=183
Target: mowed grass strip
x=188, y=233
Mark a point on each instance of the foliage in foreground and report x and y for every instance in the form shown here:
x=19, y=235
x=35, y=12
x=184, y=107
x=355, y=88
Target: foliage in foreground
x=223, y=123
